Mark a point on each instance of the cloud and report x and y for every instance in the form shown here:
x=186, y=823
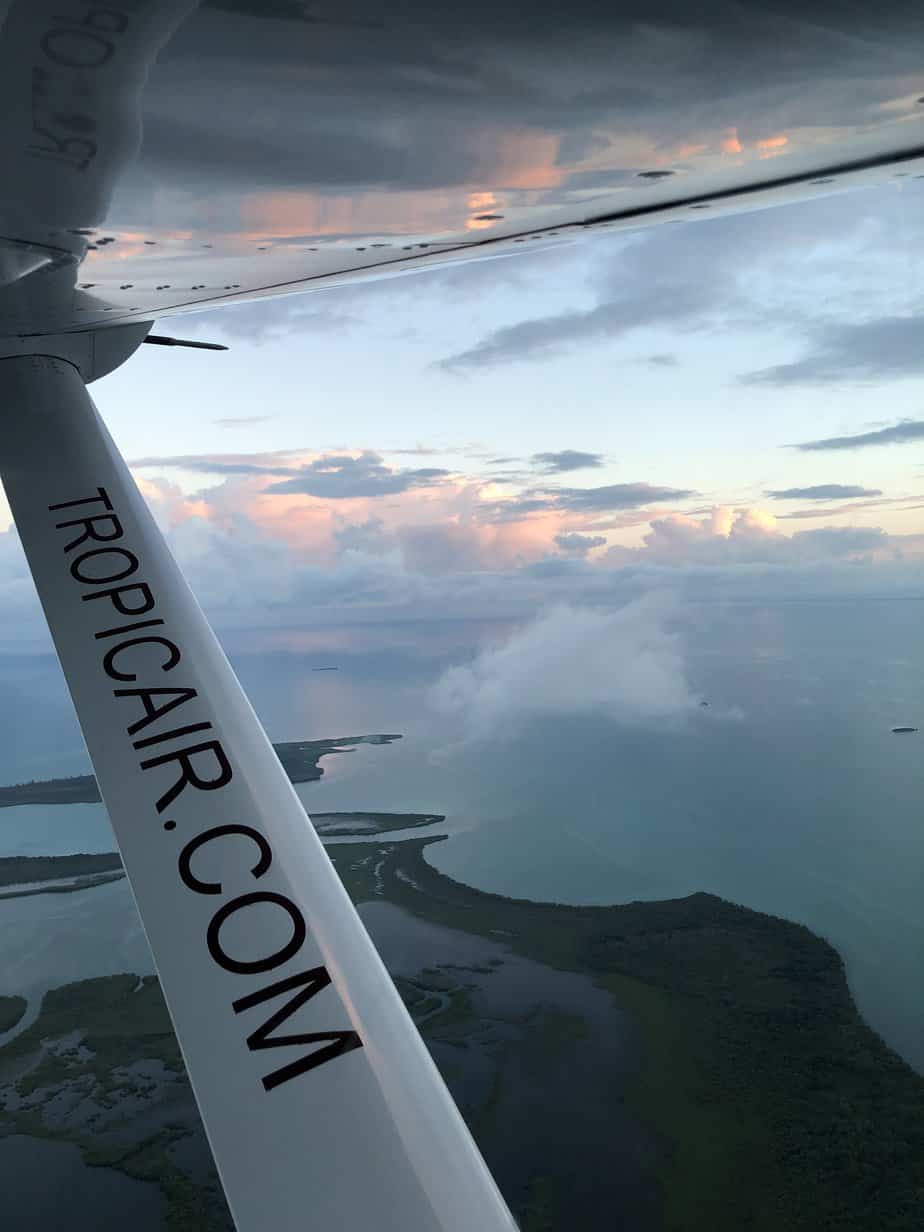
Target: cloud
x=617, y=496
x=822, y=492
x=746, y=537
x=905, y=432
x=574, y=542
x=273, y=463
x=884, y=349
x=241, y=421
x=263, y=320
x=623, y=665
x=545, y=336
x=369, y=536
x=328, y=477
x=285, y=568
x=566, y=460
x=339, y=476
x=682, y=276
x=587, y=501
x=825, y=510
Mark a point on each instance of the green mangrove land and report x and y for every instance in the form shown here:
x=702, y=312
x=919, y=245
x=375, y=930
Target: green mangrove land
x=300, y=760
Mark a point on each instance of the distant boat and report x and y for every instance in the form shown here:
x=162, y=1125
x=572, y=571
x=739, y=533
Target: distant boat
x=325, y=669
x=895, y=730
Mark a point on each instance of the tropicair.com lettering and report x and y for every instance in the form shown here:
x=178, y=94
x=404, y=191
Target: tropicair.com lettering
x=139, y=655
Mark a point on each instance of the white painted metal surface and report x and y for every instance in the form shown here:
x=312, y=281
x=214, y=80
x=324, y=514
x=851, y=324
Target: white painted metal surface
x=253, y=935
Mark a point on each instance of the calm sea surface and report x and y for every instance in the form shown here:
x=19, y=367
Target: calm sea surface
x=804, y=804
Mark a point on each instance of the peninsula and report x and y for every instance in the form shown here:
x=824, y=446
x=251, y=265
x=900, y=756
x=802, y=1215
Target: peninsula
x=687, y=1064
x=300, y=760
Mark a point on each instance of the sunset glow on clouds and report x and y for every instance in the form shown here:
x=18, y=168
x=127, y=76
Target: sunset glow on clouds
x=450, y=527
x=725, y=410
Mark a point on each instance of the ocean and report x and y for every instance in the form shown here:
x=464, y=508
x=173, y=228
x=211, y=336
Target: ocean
x=788, y=793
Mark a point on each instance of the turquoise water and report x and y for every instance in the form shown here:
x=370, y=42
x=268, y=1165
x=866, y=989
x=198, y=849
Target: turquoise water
x=55, y=829
x=806, y=805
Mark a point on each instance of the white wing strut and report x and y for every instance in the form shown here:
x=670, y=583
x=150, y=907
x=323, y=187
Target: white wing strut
x=321, y=1103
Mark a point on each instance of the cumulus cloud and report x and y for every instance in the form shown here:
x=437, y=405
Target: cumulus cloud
x=566, y=460
x=574, y=542
x=261, y=559
x=369, y=536
x=743, y=538
x=823, y=492
x=623, y=665
x=905, y=432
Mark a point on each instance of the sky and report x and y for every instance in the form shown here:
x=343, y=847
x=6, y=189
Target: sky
x=722, y=409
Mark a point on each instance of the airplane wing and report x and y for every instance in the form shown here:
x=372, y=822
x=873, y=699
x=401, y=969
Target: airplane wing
x=160, y=156
x=167, y=156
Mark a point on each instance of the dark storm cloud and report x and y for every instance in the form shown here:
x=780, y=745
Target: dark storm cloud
x=823, y=492
x=884, y=349
x=566, y=460
x=903, y=433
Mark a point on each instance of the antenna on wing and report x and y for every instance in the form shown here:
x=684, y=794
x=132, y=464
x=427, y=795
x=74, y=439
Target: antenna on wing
x=163, y=340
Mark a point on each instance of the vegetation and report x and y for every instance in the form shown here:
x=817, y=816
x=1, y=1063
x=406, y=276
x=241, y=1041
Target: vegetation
x=11, y=1010
x=347, y=825
x=16, y=870
x=120, y=1020
x=776, y=1107
x=785, y=1110
x=300, y=760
